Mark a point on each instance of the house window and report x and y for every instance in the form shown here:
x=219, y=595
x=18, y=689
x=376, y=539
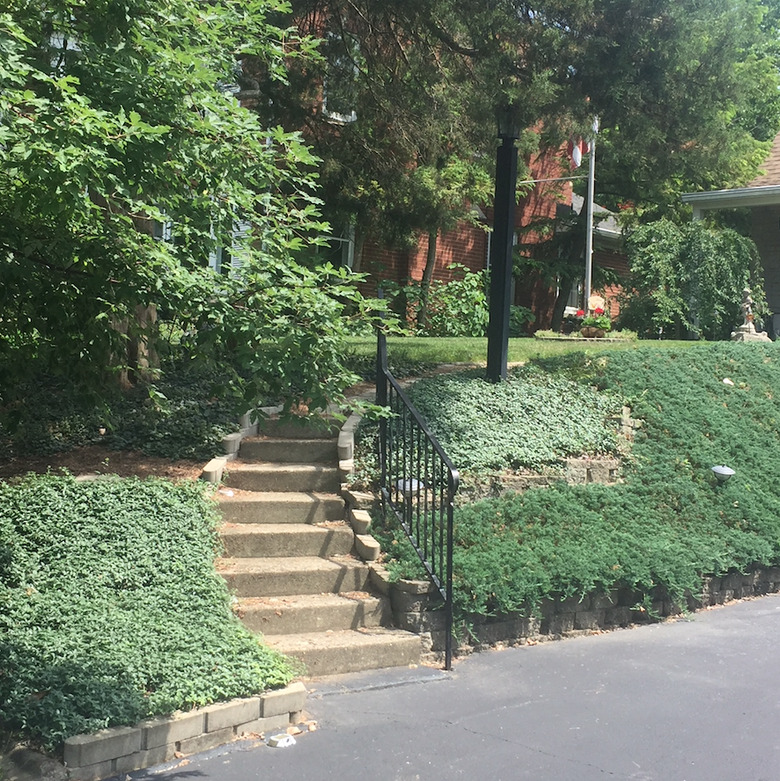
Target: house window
x=225, y=260
x=573, y=302
x=340, y=250
x=162, y=231
x=339, y=90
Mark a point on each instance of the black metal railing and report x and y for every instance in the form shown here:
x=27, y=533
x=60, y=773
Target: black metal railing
x=418, y=484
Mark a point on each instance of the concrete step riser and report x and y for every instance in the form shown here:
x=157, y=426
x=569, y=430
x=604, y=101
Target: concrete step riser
x=292, y=511
x=289, y=430
x=314, y=479
x=257, y=542
x=313, y=451
x=277, y=584
x=352, y=614
x=335, y=661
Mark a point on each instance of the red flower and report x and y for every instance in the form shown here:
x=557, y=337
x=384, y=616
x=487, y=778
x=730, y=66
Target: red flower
x=598, y=311
x=580, y=313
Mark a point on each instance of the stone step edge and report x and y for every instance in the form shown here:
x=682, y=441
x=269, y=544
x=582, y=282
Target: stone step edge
x=367, y=547
x=119, y=750
x=232, y=442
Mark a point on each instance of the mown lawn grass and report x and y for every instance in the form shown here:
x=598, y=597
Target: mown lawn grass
x=436, y=350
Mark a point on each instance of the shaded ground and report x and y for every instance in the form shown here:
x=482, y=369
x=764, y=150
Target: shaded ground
x=97, y=459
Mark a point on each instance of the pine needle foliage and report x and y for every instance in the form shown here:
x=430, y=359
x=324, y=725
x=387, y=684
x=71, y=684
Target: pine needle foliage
x=111, y=610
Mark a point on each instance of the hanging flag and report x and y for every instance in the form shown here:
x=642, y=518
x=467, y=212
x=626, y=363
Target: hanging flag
x=576, y=150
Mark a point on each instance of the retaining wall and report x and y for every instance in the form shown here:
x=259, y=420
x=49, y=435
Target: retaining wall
x=415, y=605
x=153, y=742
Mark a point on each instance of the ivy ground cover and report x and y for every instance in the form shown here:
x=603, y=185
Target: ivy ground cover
x=667, y=524
x=111, y=610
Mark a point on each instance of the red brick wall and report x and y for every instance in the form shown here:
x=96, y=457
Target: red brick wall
x=619, y=264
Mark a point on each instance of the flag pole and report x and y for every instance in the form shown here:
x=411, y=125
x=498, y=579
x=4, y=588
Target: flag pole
x=589, y=224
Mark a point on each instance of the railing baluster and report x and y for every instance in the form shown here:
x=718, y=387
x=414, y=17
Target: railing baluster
x=418, y=484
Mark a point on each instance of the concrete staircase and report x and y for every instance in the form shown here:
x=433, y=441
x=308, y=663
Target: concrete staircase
x=289, y=558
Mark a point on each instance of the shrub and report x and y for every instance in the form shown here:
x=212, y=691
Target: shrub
x=111, y=610
x=531, y=420
x=689, y=279
x=455, y=308
x=184, y=414
x=667, y=524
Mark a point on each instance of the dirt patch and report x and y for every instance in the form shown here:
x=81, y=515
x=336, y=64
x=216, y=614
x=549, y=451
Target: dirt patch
x=96, y=459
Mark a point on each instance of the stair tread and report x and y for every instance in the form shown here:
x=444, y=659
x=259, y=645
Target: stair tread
x=277, y=466
x=295, y=600
x=262, y=438
x=342, y=638
x=274, y=497
x=287, y=564
x=291, y=529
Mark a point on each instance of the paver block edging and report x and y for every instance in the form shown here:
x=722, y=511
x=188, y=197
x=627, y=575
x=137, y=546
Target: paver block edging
x=120, y=749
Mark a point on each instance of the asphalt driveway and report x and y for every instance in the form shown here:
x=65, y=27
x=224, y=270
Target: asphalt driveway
x=689, y=700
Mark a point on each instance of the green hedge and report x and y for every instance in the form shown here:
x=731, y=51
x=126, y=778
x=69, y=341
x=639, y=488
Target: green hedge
x=111, y=610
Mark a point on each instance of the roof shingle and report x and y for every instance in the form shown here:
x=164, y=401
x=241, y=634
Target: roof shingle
x=771, y=166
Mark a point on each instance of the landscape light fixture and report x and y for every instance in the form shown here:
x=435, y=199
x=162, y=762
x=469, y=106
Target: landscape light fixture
x=722, y=473
x=408, y=487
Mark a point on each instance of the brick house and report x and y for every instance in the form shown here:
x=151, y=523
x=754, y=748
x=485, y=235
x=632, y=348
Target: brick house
x=468, y=244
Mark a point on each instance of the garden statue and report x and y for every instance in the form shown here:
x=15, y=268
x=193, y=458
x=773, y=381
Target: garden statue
x=747, y=306
x=747, y=331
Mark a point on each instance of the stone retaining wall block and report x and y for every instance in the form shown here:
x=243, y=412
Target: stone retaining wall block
x=283, y=701
x=205, y=741
x=360, y=521
x=85, y=750
x=142, y=759
x=228, y=714
x=93, y=772
x=181, y=726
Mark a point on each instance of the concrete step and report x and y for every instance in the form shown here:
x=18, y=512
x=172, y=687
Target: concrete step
x=299, y=614
x=280, y=507
x=304, y=429
x=332, y=653
x=286, y=539
x=300, y=451
x=281, y=477
x=276, y=577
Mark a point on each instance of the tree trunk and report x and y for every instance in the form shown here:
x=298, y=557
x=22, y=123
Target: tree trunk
x=360, y=240
x=564, y=290
x=425, y=286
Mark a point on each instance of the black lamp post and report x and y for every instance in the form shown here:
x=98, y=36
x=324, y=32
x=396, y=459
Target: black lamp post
x=502, y=243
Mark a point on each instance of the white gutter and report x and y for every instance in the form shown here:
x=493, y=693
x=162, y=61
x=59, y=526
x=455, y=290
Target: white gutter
x=730, y=199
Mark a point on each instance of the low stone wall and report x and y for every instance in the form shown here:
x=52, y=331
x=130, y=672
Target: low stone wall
x=415, y=606
x=122, y=749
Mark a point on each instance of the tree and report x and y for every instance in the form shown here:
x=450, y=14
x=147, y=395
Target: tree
x=688, y=280
x=404, y=151
x=118, y=119
x=687, y=95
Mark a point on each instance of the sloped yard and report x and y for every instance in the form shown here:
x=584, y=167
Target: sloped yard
x=665, y=525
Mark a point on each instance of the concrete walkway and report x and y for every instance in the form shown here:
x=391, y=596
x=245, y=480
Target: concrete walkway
x=689, y=700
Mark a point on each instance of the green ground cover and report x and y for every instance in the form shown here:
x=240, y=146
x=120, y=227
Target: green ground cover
x=667, y=523
x=111, y=610
x=184, y=414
